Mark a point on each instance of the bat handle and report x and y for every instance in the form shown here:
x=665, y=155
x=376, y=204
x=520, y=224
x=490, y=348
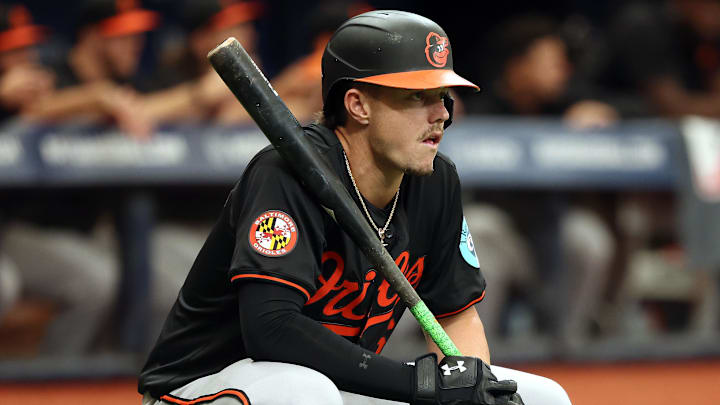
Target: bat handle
x=430, y=325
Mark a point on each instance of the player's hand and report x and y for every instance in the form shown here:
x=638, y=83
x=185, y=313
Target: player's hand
x=122, y=104
x=21, y=85
x=460, y=380
x=590, y=114
x=209, y=91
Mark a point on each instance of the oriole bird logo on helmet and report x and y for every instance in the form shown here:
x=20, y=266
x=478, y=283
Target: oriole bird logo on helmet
x=437, y=49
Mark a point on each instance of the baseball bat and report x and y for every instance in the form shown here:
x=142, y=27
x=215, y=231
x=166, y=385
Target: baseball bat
x=252, y=89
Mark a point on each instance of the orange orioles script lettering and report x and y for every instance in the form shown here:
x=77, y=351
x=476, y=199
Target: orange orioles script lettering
x=273, y=233
x=352, y=307
x=437, y=49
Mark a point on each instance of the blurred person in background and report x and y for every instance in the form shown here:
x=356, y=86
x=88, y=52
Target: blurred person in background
x=187, y=90
x=299, y=83
x=94, y=81
x=530, y=74
x=9, y=285
x=22, y=79
x=669, y=52
x=191, y=91
x=54, y=262
x=194, y=92
x=531, y=77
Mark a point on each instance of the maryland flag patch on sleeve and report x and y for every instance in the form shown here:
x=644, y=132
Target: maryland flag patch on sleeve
x=273, y=234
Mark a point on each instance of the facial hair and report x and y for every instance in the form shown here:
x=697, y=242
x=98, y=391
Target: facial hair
x=421, y=171
x=418, y=172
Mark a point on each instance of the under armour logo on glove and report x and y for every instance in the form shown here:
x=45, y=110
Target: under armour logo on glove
x=448, y=370
x=473, y=383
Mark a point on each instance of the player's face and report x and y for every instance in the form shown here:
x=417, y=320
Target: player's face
x=547, y=68
x=203, y=39
x=405, y=128
x=17, y=57
x=123, y=54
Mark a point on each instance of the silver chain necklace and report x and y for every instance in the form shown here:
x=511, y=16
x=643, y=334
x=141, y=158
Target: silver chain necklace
x=380, y=231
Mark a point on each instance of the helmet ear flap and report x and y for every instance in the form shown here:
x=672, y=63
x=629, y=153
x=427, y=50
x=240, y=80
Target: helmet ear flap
x=449, y=105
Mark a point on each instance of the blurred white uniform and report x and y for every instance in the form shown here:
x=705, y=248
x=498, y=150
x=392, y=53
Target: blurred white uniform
x=506, y=261
x=9, y=284
x=73, y=269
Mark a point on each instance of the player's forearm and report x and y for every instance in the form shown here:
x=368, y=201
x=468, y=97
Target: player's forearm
x=69, y=103
x=176, y=103
x=467, y=332
x=671, y=99
x=274, y=330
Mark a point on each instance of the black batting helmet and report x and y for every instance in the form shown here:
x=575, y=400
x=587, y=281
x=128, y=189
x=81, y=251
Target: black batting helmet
x=390, y=48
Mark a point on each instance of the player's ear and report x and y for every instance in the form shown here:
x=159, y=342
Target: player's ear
x=356, y=105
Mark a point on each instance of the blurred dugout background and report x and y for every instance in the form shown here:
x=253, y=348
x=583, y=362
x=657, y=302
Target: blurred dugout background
x=590, y=162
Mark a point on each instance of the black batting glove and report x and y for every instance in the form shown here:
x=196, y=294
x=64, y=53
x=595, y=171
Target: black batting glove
x=460, y=380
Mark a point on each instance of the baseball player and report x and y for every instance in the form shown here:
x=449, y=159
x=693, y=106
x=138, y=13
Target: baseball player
x=280, y=307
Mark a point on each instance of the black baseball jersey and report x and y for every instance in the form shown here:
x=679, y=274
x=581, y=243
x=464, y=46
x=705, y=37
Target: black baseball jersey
x=272, y=230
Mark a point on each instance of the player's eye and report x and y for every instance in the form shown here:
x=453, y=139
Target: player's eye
x=417, y=96
x=428, y=96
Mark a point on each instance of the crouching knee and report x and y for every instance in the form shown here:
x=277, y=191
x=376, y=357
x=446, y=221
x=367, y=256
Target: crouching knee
x=299, y=385
x=313, y=388
x=534, y=389
x=552, y=394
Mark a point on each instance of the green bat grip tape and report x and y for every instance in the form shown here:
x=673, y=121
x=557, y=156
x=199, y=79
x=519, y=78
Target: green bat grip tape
x=428, y=322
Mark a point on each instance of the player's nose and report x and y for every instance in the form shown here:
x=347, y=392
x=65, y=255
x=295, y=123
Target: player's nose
x=438, y=112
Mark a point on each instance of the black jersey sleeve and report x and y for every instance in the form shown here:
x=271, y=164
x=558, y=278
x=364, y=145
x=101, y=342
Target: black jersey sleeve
x=279, y=227
x=275, y=329
x=453, y=280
